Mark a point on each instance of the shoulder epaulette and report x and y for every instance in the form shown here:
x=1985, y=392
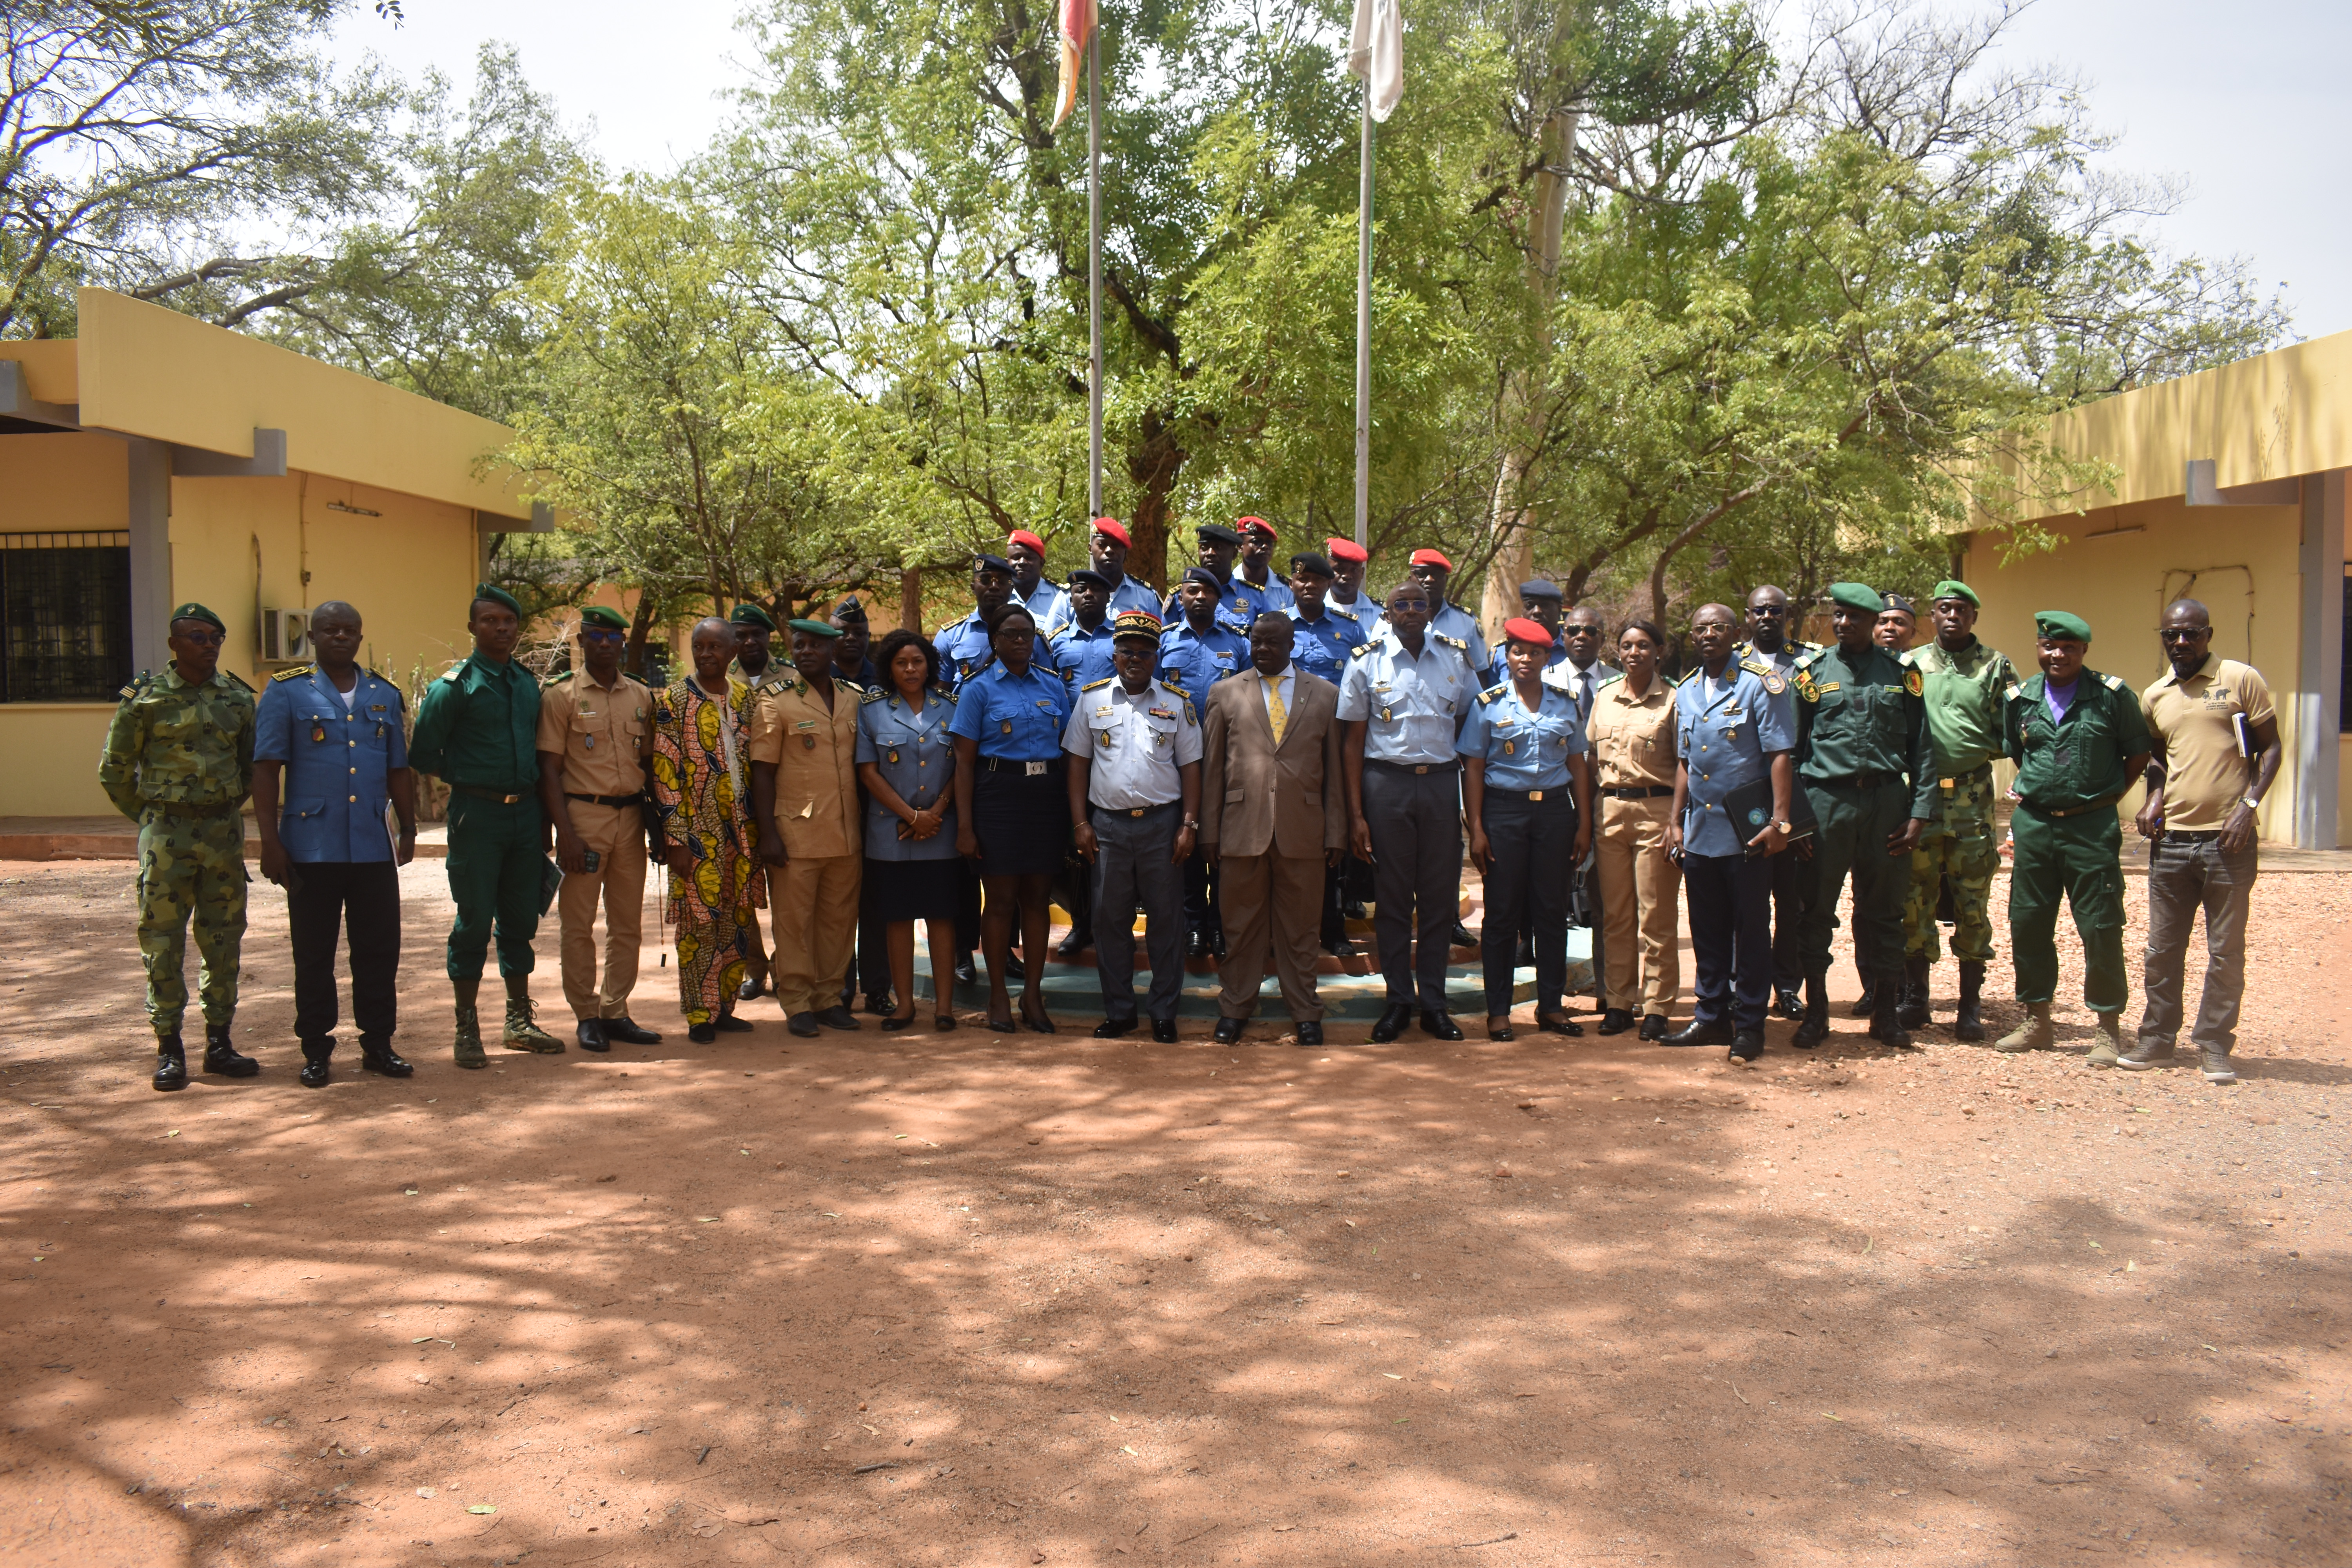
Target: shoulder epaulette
x=1805, y=659
x=1359, y=650
x=871, y=694
x=2115, y=682
x=296, y=673
x=2015, y=689
x=452, y=673
x=1493, y=691
x=139, y=683
x=558, y=677
x=234, y=679
x=1456, y=643
x=1756, y=667
x=1168, y=684
x=1106, y=681
x=1609, y=675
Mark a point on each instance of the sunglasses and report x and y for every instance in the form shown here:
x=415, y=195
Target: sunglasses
x=1408, y=603
x=604, y=633
x=2183, y=634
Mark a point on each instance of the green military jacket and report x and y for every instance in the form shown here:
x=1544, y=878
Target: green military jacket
x=1862, y=713
x=2068, y=766
x=176, y=745
x=478, y=725
x=1964, y=693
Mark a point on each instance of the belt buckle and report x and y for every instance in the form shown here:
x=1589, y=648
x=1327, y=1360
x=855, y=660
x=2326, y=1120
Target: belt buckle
x=1535, y=794
x=508, y=799
x=1138, y=811
x=1421, y=767
x=1032, y=770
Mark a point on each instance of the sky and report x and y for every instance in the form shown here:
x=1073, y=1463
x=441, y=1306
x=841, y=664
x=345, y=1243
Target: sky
x=2232, y=99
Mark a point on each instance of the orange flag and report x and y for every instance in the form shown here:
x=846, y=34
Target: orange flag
x=1077, y=27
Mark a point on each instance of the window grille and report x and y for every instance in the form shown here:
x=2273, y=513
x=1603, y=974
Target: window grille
x=66, y=601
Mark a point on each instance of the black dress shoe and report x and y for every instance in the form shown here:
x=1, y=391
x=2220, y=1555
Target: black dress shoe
x=1393, y=1018
x=1115, y=1029
x=1559, y=1023
x=1462, y=937
x=1342, y=948
x=1197, y=946
x=384, y=1060
x=1070, y=946
x=750, y=990
x=804, y=1025
x=729, y=1024
x=1229, y=1032
x=704, y=1033
x=839, y=1017
x=1500, y=1030
x=1310, y=1033
x=1715, y=1032
x=1163, y=1030
x=590, y=1034
x=1439, y=1025
x=315, y=1072
x=965, y=974
x=171, y=1064
x=628, y=1032
x=1353, y=910
x=1525, y=957
x=1654, y=1027
x=1616, y=1021
x=881, y=1004
x=1789, y=1002
x=1746, y=1045
x=224, y=1058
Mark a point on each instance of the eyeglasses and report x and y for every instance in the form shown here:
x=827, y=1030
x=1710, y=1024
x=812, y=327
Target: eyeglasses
x=202, y=639
x=601, y=633
x=1408, y=603
x=2183, y=634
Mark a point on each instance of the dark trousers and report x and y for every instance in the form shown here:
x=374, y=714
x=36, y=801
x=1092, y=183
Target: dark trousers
x=1730, y=901
x=1201, y=912
x=324, y=899
x=1792, y=882
x=1416, y=822
x=1526, y=890
x=869, y=967
x=1132, y=866
x=498, y=855
x=968, y=911
x=1854, y=825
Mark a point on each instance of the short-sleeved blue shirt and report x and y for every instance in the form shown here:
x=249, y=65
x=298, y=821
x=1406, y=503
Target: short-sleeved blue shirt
x=339, y=758
x=912, y=753
x=1049, y=605
x=1132, y=594
x=1238, y=604
x=1194, y=662
x=1321, y=647
x=1411, y=708
x=1016, y=718
x=1082, y=655
x=1274, y=594
x=1453, y=621
x=1727, y=742
x=964, y=648
x=1523, y=749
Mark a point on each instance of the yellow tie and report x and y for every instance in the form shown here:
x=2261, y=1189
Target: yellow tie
x=1273, y=714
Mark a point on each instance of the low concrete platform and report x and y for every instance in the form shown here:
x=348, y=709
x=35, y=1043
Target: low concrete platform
x=117, y=838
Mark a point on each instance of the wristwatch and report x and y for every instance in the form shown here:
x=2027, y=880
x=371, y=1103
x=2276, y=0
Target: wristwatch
x=1783, y=826
x=1192, y=822
x=2251, y=803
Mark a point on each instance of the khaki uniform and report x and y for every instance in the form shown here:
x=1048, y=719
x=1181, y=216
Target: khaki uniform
x=604, y=736
x=1632, y=743
x=813, y=897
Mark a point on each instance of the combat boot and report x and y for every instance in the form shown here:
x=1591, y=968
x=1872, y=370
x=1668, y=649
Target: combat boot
x=1886, y=1016
x=170, y=1063
x=1911, y=1007
x=1970, y=1025
x=468, y=1052
x=522, y=1035
x=1815, y=1026
x=2032, y=1034
x=316, y=1054
x=2108, y=1046
x=224, y=1058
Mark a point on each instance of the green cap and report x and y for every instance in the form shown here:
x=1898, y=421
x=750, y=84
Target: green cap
x=815, y=628
x=752, y=615
x=1856, y=596
x=1953, y=588
x=192, y=611
x=2056, y=624
x=496, y=596
x=601, y=616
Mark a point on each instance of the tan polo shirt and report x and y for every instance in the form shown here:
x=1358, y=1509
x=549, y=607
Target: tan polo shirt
x=605, y=733
x=815, y=754
x=1632, y=738
x=2205, y=773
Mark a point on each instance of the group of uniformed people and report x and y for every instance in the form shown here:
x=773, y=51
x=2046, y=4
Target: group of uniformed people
x=1227, y=763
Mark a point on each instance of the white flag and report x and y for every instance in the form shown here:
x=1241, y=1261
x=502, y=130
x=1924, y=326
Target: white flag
x=1376, y=53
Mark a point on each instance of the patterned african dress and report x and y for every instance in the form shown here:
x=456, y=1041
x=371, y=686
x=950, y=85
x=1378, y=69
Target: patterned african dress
x=701, y=768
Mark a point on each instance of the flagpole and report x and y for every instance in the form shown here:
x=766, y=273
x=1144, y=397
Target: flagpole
x=1093, y=271
x=1364, y=331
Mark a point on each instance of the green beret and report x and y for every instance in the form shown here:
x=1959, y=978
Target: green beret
x=496, y=596
x=1856, y=596
x=600, y=616
x=192, y=611
x=2057, y=624
x=1951, y=588
x=752, y=615
x=815, y=628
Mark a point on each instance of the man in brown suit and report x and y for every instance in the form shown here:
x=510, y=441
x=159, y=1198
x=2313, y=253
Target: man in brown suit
x=1272, y=818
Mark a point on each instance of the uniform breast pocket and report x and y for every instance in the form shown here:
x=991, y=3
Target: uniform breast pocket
x=1164, y=732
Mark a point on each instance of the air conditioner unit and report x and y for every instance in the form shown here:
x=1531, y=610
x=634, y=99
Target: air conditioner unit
x=285, y=636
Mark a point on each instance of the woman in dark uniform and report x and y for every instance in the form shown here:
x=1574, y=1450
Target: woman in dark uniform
x=1012, y=806
x=906, y=760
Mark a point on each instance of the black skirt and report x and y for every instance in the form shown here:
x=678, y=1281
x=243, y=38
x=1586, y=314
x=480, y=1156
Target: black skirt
x=911, y=889
x=1022, y=821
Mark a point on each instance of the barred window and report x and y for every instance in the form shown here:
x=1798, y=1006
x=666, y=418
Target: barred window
x=66, y=601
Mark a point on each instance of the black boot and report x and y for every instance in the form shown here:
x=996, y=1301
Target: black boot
x=1885, y=1020
x=170, y=1063
x=1911, y=1007
x=1970, y=1026
x=315, y=1055
x=1815, y=1026
x=224, y=1058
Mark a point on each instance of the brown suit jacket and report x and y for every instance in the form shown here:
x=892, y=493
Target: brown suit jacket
x=1257, y=797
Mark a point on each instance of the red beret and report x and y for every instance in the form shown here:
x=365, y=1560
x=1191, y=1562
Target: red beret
x=1341, y=549
x=1519, y=628
x=1430, y=557
x=1111, y=526
x=1023, y=536
x=1255, y=525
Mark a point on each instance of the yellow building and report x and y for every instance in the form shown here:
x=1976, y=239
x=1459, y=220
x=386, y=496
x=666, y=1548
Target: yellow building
x=155, y=459
x=2231, y=490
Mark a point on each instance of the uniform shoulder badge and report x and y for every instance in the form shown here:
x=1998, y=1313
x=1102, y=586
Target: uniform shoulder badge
x=1170, y=686
x=558, y=677
x=296, y=673
x=1106, y=681
x=871, y=694
x=1912, y=681
x=1774, y=681
x=452, y=674
x=1493, y=691
x=1806, y=687
x=234, y=679
x=1456, y=643
x=1609, y=675
x=2115, y=682
x=139, y=683
x=1359, y=650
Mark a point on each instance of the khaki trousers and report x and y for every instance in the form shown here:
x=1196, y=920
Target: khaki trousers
x=1270, y=901
x=617, y=835
x=813, y=911
x=1638, y=885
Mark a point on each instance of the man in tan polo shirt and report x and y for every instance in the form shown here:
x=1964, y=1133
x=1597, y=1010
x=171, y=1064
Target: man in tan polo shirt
x=805, y=804
x=2216, y=753
x=595, y=733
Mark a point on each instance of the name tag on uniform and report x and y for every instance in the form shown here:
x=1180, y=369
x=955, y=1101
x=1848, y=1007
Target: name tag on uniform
x=1045, y=703
x=806, y=724
x=1827, y=687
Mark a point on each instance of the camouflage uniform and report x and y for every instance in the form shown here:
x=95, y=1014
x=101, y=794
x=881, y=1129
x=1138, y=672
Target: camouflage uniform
x=179, y=762
x=1964, y=693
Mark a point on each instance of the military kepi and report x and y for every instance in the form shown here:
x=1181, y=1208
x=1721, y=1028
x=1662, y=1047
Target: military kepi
x=192, y=611
x=1856, y=596
x=1953, y=588
x=1136, y=623
x=2055, y=624
x=497, y=595
x=605, y=617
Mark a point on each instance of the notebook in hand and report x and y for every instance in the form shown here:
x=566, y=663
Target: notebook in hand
x=1750, y=807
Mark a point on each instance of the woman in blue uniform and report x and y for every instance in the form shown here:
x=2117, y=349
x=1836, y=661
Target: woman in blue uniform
x=1012, y=805
x=1527, y=791
x=906, y=760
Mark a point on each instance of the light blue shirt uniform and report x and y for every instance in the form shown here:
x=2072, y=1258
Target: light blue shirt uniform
x=964, y=648
x=1322, y=646
x=1133, y=742
x=1015, y=718
x=1523, y=749
x=1082, y=655
x=1411, y=707
x=916, y=758
x=1582, y=684
x=339, y=758
x=1452, y=621
x=1132, y=594
x=1274, y=594
x=1194, y=662
x=1050, y=603
x=1238, y=604
x=1725, y=737
x=1365, y=612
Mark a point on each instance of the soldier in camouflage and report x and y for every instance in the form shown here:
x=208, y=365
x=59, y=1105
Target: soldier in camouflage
x=1964, y=682
x=179, y=762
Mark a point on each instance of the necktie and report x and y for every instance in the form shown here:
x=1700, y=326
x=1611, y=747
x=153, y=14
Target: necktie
x=1274, y=711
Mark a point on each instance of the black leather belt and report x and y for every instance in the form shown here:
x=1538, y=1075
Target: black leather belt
x=478, y=793
x=1016, y=765
x=1387, y=766
x=1137, y=810
x=1560, y=795
x=1646, y=792
x=2193, y=835
x=2109, y=804
x=636, y=799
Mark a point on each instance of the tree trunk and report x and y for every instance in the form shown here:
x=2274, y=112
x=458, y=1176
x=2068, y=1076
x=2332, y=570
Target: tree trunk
x=910, y=598
x=1153, y=466
x=641, y=625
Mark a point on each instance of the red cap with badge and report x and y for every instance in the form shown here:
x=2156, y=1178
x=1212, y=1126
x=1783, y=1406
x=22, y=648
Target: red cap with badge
x=1255, y=525
x=1339, y=549
x=1110, y=527
x=1430, y=558
x=1023, y=536
x=1519, y=628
